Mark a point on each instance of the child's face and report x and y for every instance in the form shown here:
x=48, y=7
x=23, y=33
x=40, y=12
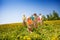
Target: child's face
x=28, y=18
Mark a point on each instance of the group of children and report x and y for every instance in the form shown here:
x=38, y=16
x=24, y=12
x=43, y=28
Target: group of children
x=32, y=21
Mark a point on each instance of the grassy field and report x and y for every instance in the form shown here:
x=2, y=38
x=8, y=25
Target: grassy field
x=49, y=31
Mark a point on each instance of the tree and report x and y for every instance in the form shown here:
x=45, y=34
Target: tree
x=48, y=17
x=44, y=18
x=55, y=15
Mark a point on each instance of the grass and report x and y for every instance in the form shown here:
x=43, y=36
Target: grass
x=49, y=31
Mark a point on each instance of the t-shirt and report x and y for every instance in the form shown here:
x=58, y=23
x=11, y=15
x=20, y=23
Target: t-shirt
x=24, y=18
x=39, y=18
x=32, y=17
x=29, y=21
x=35, y=18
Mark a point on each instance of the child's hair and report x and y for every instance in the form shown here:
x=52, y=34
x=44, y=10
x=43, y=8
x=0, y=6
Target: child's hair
x=35, y=14
x=40, y=14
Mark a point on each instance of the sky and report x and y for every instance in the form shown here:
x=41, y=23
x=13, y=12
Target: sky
x=11, y=11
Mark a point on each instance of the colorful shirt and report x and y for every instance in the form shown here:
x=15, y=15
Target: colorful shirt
x=32, y=18
x=24, y=18
x=29, y=22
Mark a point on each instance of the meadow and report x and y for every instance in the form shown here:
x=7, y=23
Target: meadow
x=16, y=31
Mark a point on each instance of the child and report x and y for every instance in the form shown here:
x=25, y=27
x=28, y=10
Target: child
x=24, y=20
x=35, y=20
x=29, y=23
x=40, y=19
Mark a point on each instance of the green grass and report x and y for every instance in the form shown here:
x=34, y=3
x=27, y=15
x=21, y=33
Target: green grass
x=48, y=31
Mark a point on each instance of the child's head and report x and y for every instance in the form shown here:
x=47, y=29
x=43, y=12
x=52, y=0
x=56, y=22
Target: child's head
x=24, y=15
x=35, y=14
x=40, y=14
x=28, y=18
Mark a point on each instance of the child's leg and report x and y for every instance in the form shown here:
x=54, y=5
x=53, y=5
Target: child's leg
x=35, y=24
x=24, y=23
x=29, y=28
x=41, y=22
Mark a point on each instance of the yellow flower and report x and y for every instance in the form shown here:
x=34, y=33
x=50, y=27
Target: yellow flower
x=54, y=38
x=26, y=38
x=36, y=35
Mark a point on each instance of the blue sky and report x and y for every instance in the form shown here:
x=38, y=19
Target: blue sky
x=11, y=11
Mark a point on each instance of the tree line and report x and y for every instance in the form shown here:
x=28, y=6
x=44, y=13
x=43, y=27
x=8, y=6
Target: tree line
x=52, y=16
